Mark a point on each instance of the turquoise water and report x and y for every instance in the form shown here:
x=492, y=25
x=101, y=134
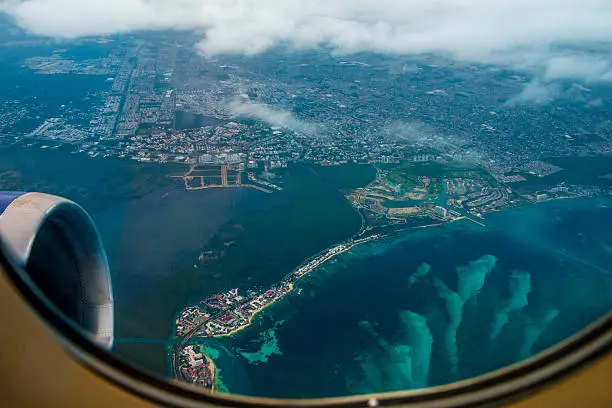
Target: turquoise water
x=418, y=309
x=437, y=305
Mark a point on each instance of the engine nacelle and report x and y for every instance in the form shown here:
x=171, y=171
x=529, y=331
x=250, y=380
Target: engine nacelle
x=55, y=241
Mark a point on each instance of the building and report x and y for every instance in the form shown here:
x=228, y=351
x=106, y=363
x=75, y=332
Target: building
x=440, y=212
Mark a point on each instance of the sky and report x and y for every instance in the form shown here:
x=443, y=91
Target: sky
x=519, y=33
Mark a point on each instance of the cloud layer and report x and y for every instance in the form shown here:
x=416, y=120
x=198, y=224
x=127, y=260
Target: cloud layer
x=585, y=67
x=535, y=92
x=273, y=116
x=522, y=34
x=464, y=28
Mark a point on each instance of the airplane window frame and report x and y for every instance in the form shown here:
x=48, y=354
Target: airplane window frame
x=503, y=385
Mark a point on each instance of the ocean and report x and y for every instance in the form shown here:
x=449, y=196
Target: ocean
x=433, y=306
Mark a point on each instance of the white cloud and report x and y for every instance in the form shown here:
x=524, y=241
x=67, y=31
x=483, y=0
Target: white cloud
x=274, y=116
x=421, y=135
x=548, y=68
x=535, y=92
x=471, y=29
x=522, y=34
x=579, y=67
x=416, y=132
x=77, y=18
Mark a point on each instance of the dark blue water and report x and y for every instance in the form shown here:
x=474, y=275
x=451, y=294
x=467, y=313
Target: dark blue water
x=486, y=298
x=137, y=233
x=187, y=120
x=46, y=96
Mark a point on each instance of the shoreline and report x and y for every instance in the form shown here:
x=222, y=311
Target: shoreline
x=213, y=371
x=292, y=284
x=324, y=256
x=255, y=313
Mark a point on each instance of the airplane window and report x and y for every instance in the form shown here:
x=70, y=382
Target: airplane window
x=307, y=200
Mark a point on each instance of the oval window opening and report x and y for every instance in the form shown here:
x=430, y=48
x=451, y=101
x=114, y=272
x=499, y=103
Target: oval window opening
x=325, y=203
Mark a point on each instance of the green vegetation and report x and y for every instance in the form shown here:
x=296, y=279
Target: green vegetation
x=409, y=175
x=406, y=181
x=435, y=187
x=448, y=170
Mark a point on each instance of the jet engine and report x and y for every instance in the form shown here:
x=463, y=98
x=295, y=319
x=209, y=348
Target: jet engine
x=55, y=241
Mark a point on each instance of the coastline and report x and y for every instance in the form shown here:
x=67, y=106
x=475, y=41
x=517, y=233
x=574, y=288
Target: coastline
x=313, y=262
x=368, y=239
x=255, y=313
x=372, y=238
x=213, y=372
x=329, y=257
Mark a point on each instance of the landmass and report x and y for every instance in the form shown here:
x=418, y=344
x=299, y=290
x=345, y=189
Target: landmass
x=195, y=367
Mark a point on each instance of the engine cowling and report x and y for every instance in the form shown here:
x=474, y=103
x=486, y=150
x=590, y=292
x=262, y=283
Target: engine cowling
x=55, y=241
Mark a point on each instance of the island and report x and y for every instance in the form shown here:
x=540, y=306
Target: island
x=193, y=366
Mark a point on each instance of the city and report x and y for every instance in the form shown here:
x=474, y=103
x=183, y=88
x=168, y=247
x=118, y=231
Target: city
x=195, y=367
x=156, y=107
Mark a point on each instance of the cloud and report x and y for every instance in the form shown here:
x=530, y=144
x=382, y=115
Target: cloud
x=77, y=18
x=532, y=36
x=274, y=116
x=416, y=132
x=535, y=92
x=421, y=135
x=468, y=29
x=549, y=67
x=579, y=67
